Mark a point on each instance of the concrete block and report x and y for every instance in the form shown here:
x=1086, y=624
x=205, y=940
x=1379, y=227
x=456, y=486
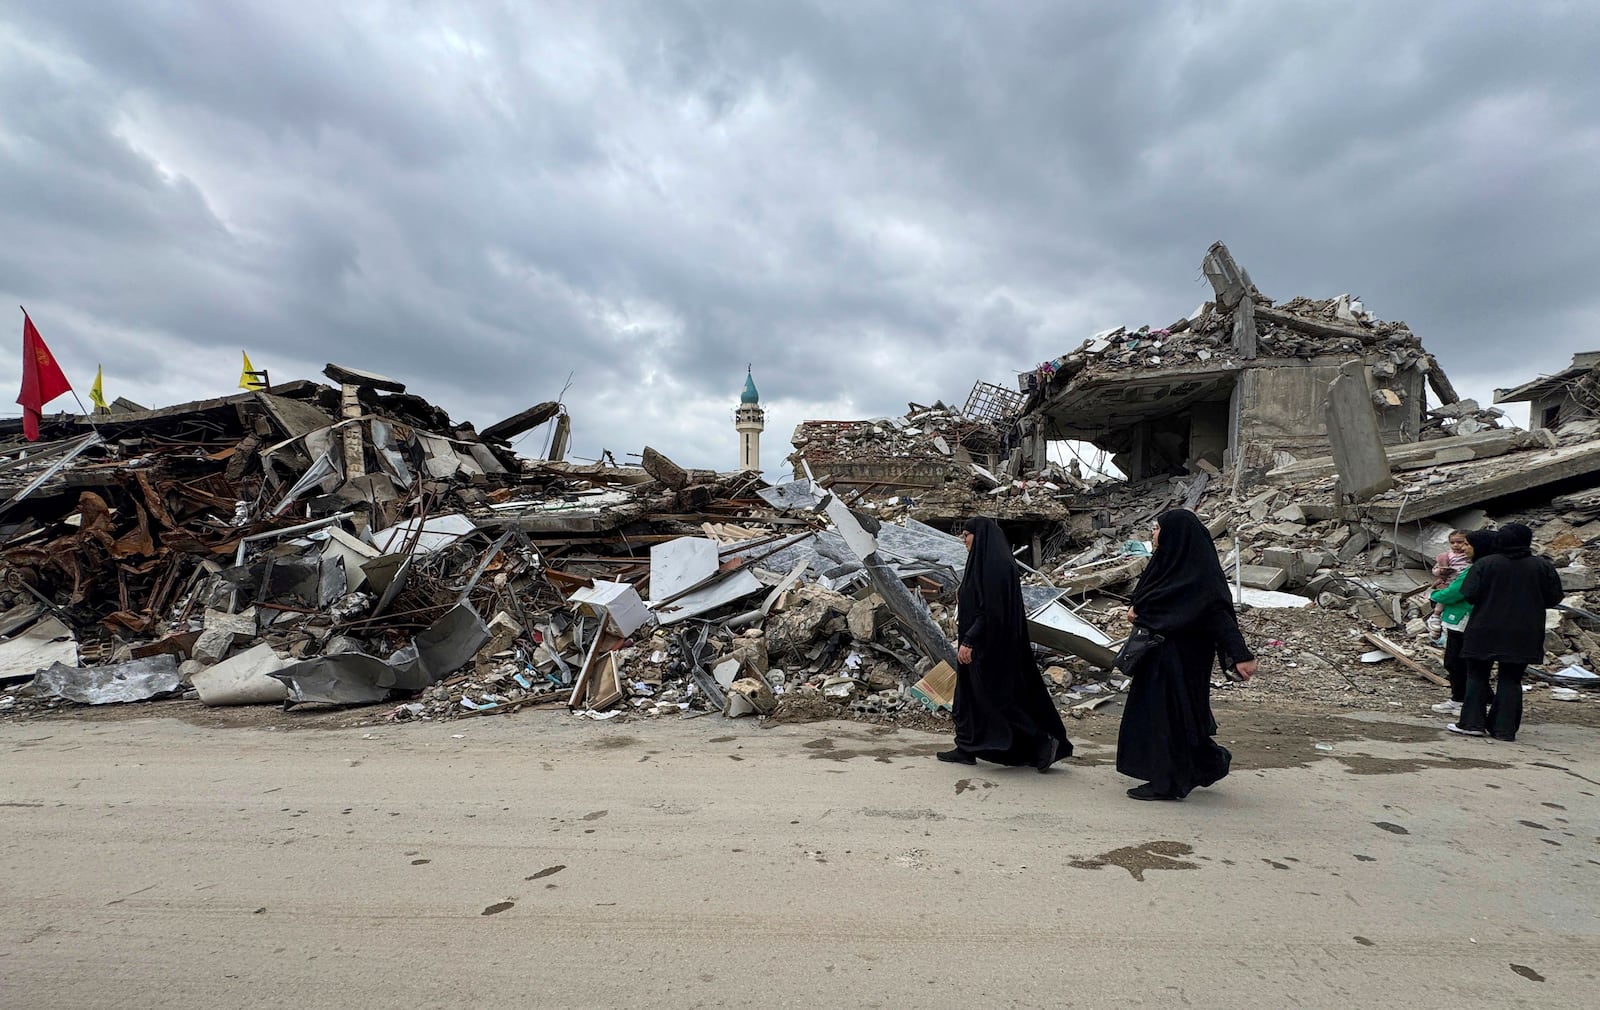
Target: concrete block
x=1286, y=558
x=1371, y=611
x=1352, y=548
x=1358, y=453
x=1262, y=576
x=1311, y=560
x=1577, y=579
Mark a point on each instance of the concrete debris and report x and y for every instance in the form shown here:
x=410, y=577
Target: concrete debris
x=341, y=544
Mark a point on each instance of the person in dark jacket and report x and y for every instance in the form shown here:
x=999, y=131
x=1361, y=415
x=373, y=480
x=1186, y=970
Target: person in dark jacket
x=1454, y=614
x=1509, y=594
x=1167, y=727
x=1002, y=711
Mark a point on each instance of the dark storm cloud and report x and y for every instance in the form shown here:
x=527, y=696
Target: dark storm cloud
x=873, y=203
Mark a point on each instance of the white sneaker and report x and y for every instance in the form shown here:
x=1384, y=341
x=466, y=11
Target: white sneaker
x=1452, y=727
x=1448, y=708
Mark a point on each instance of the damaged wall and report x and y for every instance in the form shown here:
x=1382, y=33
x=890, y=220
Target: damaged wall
x=1154, y=397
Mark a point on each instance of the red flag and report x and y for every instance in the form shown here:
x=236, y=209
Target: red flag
x=42, y=378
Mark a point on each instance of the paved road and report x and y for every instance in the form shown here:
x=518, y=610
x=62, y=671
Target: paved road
x=543, y=861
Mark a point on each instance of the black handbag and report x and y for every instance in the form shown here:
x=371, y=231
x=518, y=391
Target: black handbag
x=1140, y=643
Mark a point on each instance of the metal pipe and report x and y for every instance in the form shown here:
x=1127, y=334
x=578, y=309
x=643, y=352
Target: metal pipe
x=315, y=524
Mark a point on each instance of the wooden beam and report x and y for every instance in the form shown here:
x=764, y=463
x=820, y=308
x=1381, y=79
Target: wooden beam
x=1405, y=659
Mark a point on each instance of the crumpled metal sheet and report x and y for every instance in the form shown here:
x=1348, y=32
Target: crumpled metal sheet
x=799, y=495
x=136, y=680
x=356, y=678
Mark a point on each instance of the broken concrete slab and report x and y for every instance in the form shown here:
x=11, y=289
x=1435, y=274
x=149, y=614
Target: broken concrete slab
x=750, y=696
x=1455, y=486
x=221, y=630
x=356, y=377
x=136, y=680
x=1482, y=445
x=1262, y=576
x=862, y=618
x=1358, y=451
x=520, y=422
x=423, y=536
x=1577, y=579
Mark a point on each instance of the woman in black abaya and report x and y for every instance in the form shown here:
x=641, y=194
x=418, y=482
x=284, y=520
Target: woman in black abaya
x=1167, y=726
x=1509, y=594
x=1002, y=711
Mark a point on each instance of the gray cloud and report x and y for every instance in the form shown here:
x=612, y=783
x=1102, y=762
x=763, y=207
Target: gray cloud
x=873, y=203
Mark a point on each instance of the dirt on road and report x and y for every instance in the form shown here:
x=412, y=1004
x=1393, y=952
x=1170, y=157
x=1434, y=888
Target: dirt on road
x=541, y=859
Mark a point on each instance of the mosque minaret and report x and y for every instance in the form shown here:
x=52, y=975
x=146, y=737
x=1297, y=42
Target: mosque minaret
x=749, y=421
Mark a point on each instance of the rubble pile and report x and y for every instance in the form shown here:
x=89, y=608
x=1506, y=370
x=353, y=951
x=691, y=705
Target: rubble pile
x=315, y=544
x=927, y=433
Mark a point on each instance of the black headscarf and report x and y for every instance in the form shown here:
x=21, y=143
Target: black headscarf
x=1183, y=581
x=1515, y=540
x=1484, y=543
x=992, y=571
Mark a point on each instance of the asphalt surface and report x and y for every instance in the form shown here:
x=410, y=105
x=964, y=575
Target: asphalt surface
x=542, y=860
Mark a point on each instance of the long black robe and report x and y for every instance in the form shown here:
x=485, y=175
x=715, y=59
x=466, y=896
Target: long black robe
x=1003, y=713
x=1509, y=594
x=1167, y=725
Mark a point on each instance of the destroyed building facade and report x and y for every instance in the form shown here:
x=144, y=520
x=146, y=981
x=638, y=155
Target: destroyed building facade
x=1239, y=374
x=1568, y=395
x=912, y=454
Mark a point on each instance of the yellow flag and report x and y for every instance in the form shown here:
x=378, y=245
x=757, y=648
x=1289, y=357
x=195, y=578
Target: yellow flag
x=97, y=392
x=247, y=380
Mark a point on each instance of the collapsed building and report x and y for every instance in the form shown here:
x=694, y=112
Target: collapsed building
x=1571, y=394
x=1239, y=375
x=347, y=543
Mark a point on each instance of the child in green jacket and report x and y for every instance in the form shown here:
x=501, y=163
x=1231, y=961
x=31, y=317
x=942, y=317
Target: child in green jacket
x=1453, y=614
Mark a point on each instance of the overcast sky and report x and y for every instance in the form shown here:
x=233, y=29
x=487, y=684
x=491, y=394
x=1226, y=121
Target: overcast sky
x=872, y=203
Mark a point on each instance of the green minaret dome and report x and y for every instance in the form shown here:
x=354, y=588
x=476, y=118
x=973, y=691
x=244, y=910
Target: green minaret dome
x=749, y=395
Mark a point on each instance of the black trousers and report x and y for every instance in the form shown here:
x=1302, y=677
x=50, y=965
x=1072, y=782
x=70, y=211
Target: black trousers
x=1503, y=717
x=1455, y=665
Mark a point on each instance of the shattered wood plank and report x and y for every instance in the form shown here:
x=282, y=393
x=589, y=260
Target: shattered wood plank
x=1404, y=658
